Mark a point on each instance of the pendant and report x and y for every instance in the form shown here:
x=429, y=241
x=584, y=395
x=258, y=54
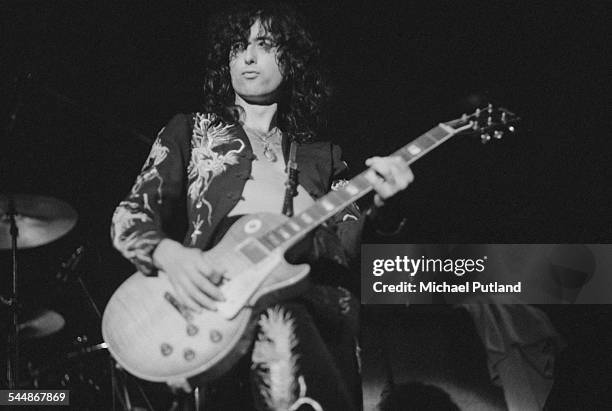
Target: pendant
x=270, y=154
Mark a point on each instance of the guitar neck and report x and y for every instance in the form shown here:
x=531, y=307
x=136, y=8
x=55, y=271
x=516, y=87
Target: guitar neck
x=301, y=224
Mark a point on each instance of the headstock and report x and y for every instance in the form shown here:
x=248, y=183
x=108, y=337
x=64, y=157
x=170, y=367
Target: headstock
x=490, y=122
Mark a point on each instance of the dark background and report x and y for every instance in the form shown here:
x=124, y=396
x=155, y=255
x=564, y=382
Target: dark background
x=104, y=77
x=97, y=80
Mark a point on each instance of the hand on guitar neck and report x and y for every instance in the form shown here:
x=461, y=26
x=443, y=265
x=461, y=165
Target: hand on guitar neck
x=194, y=279
x=395, y=176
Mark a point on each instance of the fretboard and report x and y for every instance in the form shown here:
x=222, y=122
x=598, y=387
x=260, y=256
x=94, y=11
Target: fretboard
x=333, y=202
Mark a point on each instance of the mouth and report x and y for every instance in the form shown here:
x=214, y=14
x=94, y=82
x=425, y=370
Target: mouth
x=250, y=73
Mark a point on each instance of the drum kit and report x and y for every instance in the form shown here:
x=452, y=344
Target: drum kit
x=45, y=348
x=50, y=325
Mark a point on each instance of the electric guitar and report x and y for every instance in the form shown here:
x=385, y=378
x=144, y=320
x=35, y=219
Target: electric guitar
x=154, y=336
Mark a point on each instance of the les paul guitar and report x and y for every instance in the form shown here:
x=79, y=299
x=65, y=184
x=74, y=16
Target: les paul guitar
x=155, y=337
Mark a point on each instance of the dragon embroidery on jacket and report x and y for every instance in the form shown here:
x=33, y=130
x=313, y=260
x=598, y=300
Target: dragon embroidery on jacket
x=149, y=171
x=209, y=133
x=135, y=247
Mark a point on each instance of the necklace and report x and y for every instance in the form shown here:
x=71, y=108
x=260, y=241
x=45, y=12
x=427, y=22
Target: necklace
x=268, y=139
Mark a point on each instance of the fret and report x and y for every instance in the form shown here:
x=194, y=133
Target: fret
x=371, y=177
x=294, y=225
x=351, y=189
x=316, y=211
x=305, y=217
x=336, y=198
x=438, y=133
x=274, y=238
x=288, y=228
x=283, y=233
x=342, y=195
x=433, y=137
x=326, y=204
x=278, y=236
x=426, y=142
x=266, y=242
x=414, y=149
x=361, y=183
x=430, y=138
x=405, y=154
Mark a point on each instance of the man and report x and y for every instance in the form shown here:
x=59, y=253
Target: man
x=263, y=91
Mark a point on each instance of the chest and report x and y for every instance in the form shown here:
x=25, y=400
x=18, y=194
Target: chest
x=265, y=191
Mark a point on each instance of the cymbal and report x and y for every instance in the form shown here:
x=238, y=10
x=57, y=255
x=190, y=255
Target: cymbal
x=44, y=323
x=40, y=220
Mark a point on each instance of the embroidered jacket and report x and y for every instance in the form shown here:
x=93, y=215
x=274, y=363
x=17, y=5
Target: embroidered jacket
x=197, y=168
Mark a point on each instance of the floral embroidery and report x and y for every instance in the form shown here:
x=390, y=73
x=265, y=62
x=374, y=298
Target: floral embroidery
x=345, y=300
x=206, y=164
x=339, y=184
x=275, y=363
x=149, y=171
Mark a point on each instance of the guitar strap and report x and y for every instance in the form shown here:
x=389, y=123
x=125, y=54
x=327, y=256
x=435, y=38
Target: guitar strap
x=291, y=184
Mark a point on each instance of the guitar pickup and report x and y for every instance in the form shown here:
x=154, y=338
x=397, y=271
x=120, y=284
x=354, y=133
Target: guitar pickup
x=182, y=309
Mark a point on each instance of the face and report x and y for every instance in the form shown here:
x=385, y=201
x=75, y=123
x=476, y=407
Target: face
x=254, y=69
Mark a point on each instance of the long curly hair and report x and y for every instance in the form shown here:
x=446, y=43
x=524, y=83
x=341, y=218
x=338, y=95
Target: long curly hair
x=305, y=91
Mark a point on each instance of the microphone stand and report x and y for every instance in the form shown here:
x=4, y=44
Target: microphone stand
x=12, y=362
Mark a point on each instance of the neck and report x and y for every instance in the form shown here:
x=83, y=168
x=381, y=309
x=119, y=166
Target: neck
x=261, y=117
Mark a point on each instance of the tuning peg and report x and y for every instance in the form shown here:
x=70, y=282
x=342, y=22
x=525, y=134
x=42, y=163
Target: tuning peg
x=511, y=129
x=485, y=138
x=498, y=134
x=490, y=108
x=504, y=118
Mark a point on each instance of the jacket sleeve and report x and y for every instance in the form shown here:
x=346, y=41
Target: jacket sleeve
x=353, y=226
x=348, y=223
x=137, y=224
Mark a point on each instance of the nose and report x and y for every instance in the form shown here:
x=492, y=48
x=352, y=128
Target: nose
x=250, y=56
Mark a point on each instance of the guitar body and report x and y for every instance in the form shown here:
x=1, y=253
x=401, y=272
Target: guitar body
x=155, y=337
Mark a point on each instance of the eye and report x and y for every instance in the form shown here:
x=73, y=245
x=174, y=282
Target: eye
x=266, y=44
x=237, y=47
